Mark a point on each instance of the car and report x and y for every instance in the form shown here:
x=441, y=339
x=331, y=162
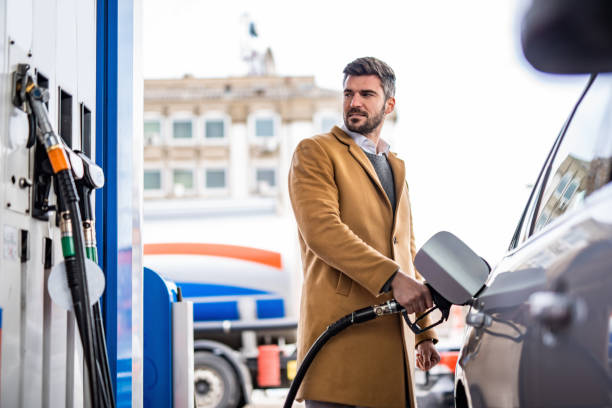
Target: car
x=540, y=322
x=541, y=329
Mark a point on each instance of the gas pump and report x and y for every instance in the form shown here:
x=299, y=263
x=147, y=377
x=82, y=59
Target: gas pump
x=63, y=75
x=63, y=166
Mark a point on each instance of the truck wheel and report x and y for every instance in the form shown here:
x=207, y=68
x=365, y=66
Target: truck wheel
x=215, y=385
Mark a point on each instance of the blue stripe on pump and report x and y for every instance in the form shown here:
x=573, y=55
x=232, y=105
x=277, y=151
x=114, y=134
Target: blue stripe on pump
x=270, y=308
x=194, y=289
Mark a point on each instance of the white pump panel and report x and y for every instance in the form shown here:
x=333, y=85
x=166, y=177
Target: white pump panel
x=40, y=358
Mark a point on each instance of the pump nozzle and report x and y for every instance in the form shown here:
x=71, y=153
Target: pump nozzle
x=439, y=303
x=92, y=179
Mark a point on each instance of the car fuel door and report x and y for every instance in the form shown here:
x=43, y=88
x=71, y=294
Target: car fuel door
x=451, y=268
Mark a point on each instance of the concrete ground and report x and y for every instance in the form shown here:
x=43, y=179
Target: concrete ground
x=273, y=398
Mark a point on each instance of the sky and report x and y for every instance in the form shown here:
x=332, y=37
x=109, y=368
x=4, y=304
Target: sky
x=475, y=121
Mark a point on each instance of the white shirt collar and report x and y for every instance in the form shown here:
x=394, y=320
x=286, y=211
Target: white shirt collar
x=366, y=144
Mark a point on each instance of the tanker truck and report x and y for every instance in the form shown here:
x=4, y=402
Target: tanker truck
x=244, y=316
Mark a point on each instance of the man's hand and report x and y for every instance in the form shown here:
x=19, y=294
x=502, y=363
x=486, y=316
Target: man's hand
x=411, y=294
x=427, y=355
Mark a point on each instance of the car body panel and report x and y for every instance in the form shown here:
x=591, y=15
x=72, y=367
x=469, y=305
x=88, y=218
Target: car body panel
x=518, y=357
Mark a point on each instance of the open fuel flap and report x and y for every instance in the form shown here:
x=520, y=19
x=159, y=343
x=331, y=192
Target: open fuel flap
x=451, y=268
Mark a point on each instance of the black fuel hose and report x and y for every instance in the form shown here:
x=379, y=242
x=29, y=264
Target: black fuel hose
x=77, y=282
x=103, y=355
x=74, y=252
x=85, y=186
x=358, y=316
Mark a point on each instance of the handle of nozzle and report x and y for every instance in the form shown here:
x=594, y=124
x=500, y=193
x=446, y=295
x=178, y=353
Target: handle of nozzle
x=439, y=303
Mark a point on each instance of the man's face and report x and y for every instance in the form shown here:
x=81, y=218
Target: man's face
x=365, y=106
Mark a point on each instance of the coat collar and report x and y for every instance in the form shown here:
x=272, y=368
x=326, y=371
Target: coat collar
x=397, y=165
x=366, y=144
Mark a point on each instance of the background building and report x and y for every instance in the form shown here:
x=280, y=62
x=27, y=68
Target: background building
x=229, y=138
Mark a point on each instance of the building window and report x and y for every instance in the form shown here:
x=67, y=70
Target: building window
x=215, y=129
x=563, y=183
x=264, y=127
x=182, y=129
x=569, y=192
x=152, y=179
x=183, y=179
x=151, y=131
x=215, y=178
x=266, y=177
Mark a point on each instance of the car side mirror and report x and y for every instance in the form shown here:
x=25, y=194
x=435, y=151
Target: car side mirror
x=451, y=268
x=568, y=36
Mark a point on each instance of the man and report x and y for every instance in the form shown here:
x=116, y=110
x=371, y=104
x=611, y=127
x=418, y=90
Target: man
x=352, y=209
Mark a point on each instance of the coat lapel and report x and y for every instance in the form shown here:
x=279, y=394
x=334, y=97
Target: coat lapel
x=363, y=160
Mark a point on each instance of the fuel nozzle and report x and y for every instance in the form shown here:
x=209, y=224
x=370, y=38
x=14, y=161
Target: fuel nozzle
x=393, y=306
x=93, y=178
x=440, y=303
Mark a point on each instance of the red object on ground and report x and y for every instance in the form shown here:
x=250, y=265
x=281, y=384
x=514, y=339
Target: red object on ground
x=449, y=359
x=268, y=366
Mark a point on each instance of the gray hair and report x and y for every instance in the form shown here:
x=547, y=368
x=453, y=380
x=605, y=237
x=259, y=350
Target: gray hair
x=373, y=66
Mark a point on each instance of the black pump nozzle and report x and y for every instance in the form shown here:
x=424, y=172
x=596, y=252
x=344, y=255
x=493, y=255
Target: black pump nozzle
x=439, y=303
x=92, y=179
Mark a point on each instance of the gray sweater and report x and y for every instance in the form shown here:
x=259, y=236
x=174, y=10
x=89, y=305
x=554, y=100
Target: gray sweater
x=385, y=175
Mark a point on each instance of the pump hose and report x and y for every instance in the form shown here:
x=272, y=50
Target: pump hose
x=103, y=353
x=74, y=251
x=331, y=331
x=358, y=316
x=77, y=282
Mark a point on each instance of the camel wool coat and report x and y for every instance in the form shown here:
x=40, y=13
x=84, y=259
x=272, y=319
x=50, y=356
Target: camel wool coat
x=351, y=244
